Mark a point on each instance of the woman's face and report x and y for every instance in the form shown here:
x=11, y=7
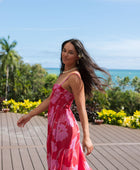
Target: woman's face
x=69, y=55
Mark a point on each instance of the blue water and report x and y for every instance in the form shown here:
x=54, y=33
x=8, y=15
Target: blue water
x=53, y=70
x=114, y=73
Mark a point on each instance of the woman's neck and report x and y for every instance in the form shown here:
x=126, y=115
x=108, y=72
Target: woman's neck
x=66, y=68
x=69, y=70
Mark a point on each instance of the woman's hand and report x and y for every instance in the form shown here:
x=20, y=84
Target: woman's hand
x=23, y=120
x=87, y=144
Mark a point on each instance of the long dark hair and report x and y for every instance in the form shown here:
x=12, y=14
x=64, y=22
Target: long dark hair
x=87, y=68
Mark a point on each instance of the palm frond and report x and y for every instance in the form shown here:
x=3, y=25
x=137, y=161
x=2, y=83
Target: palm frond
x=10, y=58
x=4, y=44
x=14, y=43
x=1, y=56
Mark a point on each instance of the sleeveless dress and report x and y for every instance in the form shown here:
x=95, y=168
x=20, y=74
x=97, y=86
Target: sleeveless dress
x=64, y=151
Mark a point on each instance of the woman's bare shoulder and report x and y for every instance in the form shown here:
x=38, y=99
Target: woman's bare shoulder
x=75, y=79
x=75, y=74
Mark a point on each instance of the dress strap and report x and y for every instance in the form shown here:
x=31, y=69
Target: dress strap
x=69, y=76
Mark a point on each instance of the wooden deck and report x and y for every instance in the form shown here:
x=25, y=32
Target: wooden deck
x=25, y=148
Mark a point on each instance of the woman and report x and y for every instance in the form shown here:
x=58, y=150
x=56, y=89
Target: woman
x=77, y=79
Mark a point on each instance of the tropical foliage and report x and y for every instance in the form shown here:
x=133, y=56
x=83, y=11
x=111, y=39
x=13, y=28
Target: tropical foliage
x=25, y=83
x=116, y=99
x=8, y=60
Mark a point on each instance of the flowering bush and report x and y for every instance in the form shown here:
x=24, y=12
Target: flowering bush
x=109, y=116
x=120, y=118
x=132, y=121
x=112, y=117
x=22, y=107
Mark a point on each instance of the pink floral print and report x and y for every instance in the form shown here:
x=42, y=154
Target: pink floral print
x=64, y=151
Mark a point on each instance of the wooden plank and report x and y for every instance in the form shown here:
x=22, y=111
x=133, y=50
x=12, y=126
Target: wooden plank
x=6, y=157
x=18, y=131
x=133, y=151
x=127, y=133
x=26, y=159
x=37, y=163
x=1, y=163
x=111, y=154
x=25, y=133
x=11, y=130
x=35, y=138
x=5, y=133
x=124, y=159
x=93, y=134
x=30, y=140
x=35, y=153
x=90, y=160
x=110, y=134
x=43, y=121
x=101, y=133
x=16, y=159
x=43, y=156
x=115, y=146
x=90, y=163
x=117, y=156
x=99, y=161
x=110, y=158
x=107, y=132
x=1, y=141
x=114, y=136
x=5, y=153
x=40, y=123
x=137, y=149
x=94, y=162
x=39, y=133
x=106, y=162
x=130, y=155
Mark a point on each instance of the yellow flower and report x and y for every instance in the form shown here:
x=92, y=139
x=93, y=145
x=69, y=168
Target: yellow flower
x=126, y=121
x=120, y=122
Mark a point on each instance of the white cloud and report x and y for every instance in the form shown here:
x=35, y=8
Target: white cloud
x=119, y=62
x=119, y=48
x=122, y=53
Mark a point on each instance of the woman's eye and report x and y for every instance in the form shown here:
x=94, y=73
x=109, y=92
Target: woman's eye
x=70, y=52
x=64, y=50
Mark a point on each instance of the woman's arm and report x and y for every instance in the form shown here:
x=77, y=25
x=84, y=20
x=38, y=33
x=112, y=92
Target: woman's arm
x=39, y=109
x=77, y=87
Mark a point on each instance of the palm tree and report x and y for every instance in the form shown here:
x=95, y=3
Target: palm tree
x=8, y=59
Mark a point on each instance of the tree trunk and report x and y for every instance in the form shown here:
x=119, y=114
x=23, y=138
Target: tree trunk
x=7, y=76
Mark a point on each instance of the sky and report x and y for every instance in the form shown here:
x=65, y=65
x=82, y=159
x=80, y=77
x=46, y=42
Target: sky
x=109, y=30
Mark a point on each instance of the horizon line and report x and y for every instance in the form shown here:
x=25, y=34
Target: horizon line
x=105, y=68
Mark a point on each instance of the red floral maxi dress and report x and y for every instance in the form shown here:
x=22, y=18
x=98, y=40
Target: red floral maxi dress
x=64, y=151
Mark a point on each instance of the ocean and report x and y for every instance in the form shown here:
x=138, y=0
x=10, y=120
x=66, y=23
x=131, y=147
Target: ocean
x=113, y=72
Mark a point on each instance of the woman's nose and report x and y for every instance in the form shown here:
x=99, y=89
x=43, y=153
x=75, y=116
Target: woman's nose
x=65, y=53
